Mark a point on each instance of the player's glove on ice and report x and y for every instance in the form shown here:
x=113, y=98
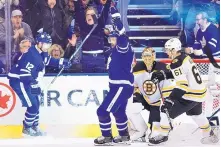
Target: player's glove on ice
x=167, y=104
x=64, y=63
x=35, y=89
x=158, y=76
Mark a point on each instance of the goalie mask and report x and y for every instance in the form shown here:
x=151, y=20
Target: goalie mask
x=171, y=47
x=148, y=56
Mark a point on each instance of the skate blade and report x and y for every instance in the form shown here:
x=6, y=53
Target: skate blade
x=124, y=143
x=160, y=144
x=105, y=144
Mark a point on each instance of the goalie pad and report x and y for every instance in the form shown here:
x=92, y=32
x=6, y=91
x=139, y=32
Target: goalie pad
x=137, y=125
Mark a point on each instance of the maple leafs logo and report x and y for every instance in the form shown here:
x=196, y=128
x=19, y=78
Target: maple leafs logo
x=3, y=100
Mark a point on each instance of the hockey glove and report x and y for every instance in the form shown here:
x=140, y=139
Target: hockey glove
x=35, y=89
x=167, y=104
x=158, y=76
x=64, y=63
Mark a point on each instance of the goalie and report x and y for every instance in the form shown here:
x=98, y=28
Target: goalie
x=146, y=96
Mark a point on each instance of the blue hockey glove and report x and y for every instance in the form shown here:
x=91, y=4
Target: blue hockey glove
x=65, y=63
x=167, y=104
x=35, y=89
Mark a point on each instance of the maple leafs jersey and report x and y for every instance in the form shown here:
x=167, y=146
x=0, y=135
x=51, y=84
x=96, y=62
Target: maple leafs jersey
x=188, y=78
x=209, y=36
x=31, y=65
x=120, y=63
x=150, y=90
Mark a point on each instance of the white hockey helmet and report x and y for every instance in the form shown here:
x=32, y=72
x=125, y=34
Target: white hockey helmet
x=173, y=43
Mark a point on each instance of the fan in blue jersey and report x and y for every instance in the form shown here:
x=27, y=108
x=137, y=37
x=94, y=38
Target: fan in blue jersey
x=120, y=83
x=207, y=38
x=24, y=78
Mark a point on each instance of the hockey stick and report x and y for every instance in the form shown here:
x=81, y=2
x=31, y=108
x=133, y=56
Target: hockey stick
x=79, y=47
x=208, y=119
x=166, y=110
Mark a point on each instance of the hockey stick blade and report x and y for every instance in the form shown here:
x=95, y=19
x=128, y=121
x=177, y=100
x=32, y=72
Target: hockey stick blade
x=72, y=56
x=208, y=119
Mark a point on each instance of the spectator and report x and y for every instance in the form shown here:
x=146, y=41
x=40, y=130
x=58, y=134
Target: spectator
x=56, y=51
x=14, y=6
x=93, y=59
x=32, y=10
x=20, y=31
x=188, y=12
x=207, y=35
x=53, y=21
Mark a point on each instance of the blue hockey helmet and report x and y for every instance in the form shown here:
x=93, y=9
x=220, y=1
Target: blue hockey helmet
x=44, y=38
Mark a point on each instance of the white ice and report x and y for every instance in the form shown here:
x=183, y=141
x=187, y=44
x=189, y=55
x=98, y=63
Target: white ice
x=181, y=136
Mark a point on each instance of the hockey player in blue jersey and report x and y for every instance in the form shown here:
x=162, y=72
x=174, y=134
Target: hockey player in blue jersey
x=24, y=78
x=120, y=83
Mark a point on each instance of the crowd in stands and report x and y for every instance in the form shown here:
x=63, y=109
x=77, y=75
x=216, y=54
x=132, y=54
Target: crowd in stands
x=68, y=23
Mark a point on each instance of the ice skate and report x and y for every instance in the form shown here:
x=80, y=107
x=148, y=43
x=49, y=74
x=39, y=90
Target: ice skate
x=103, y=141
x=29, y=132
x=212, y=138
x=157, y=140
x=138, y=139
x=38, y=131
x=122, y=140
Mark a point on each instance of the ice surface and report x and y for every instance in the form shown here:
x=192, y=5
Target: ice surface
x=180, y=136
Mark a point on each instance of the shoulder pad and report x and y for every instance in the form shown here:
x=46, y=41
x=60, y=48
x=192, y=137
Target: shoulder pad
x=160, y=66
x=139, y=67
x=177, y=62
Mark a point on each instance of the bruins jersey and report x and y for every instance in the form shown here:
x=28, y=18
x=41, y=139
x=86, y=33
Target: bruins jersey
x=150, y=90
x=188, y=78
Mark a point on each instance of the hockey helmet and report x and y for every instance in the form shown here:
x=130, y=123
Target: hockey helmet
x=173, y=44
x=44, y=38
x=148, y=56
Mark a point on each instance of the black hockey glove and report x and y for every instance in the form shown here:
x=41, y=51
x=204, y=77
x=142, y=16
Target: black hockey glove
x=158, y=76
x=35, y=89
x=167, y=104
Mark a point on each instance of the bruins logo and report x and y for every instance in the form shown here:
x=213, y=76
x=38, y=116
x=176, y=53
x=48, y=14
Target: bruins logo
x=149, y=87
x=175, y=60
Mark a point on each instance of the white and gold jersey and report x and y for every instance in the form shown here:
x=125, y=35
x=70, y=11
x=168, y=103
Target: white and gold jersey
x=150, y=90
x=188, y=78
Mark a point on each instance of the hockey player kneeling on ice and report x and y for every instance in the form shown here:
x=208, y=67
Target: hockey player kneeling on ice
x=25, y=75
x=187, y=96
x=121, y=81
x=147, y=96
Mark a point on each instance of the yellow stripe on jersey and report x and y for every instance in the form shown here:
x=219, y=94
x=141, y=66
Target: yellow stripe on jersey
x=139, y=72
x=197, y=91
x=182, y=82
x=183, y=85
x=168, y=88
x=166, y=94
x=186, y=59
x=157, y=103
x=196, y=94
